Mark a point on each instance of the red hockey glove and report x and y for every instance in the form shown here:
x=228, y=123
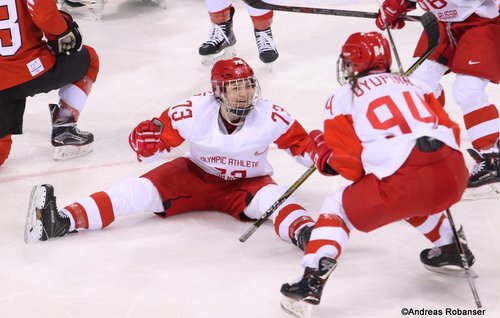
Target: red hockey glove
x=395, y=11
x=68, y=42
x=319, y=153
x=145, y=138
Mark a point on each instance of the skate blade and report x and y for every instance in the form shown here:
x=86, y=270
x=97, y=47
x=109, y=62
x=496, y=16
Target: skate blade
x=296, y=308
x=33, y=227
x=270, y=67
x=69, y=152
x=488, y=191
x=227, y=53
x=448, y=271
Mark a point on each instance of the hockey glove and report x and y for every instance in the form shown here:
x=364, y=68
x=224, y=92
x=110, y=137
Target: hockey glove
x=145, y=139
x=395, y=11
x=68, y=42
x=320, y=153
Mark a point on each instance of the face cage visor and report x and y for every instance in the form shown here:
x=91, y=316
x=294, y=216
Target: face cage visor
x=238, y=96
x=344, y=70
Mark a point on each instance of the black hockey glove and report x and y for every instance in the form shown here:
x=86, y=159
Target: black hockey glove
x=70, y=41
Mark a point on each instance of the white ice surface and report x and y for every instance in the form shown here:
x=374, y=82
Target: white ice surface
x=193, y=265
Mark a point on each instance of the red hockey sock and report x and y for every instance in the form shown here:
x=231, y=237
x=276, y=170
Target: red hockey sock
x=5, y=145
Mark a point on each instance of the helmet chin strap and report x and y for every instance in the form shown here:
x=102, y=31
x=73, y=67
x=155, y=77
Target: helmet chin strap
x=226, y=114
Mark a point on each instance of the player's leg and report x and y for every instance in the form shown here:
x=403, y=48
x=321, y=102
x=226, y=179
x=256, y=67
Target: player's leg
x=165, y=189
x=262, y=21
x=85, y=9
x=291, y=221
x=68, y=140
x=476, y=64
x=11, y=122
x=221, y=39
x=329, y=238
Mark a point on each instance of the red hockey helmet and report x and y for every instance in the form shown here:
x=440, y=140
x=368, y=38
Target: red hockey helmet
x=364, y=53
x=235, y=86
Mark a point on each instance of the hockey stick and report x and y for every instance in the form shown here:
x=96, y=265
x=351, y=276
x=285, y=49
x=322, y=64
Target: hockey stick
x=461, y=251
x=277, y=204
x=259, y=4
x=389, y=37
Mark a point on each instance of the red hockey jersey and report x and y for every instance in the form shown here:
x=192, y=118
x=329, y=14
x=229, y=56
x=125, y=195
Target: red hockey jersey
x=24, y=54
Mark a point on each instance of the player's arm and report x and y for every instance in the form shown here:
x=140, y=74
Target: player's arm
x=346, y=147
x=295, y=139
x=61, y=31
x=152, y=139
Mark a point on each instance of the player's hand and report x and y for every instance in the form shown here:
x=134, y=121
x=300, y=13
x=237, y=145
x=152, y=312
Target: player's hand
x=395, y=11
x=68, y=42
x=145, y=138
x=319, y=153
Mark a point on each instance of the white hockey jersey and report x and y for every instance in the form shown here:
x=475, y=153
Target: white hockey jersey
x=383, y=117
x=459, y=10
x=241, y=154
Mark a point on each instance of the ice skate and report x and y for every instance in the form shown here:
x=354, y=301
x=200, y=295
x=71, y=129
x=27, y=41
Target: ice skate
x=69, y=141
x=302, y=237
x=43, y=221
x=220, y=45
x=484, y=180
x=159, y=3
x=487, y=167
x=84, y=9
x=447, y=260
x=265, y=44
x=306, y=291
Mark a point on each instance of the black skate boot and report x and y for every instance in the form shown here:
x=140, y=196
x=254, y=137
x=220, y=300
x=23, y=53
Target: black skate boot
x=487, y=168
x=446, y=259
x=302, y=237
x=43, y=220
x=70, y=142
x=85, y=9
x=220, y=44
x=310, y=286
x=265, y=44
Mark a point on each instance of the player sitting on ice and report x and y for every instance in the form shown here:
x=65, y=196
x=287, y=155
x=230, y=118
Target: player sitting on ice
x=30, y=65
x=388, y=134
x=229, y=131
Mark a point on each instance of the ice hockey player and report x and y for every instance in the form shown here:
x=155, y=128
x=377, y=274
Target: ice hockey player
x=221, y=41
x=469, y=47
x=29, y=65
x=229, y=131
x=390, y=136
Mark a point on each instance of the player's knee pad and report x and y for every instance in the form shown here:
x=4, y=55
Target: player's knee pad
x=469, y=92
x=94, y=63
x=431, y=72
x=5, y=146
x=134, y=195
x=264, y=198
x=333, y=205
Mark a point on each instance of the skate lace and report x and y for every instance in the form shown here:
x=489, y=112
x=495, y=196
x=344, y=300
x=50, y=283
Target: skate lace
x=217, y=34
x=479, y=167
x=434, y=252
x=265, y=41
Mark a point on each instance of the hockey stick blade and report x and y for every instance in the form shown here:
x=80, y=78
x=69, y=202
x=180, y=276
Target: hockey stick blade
x=431, y=29
x=278, y=203
x=259, y=4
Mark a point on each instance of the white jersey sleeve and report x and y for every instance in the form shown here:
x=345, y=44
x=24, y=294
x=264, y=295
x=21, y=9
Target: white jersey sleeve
x=459, y=10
